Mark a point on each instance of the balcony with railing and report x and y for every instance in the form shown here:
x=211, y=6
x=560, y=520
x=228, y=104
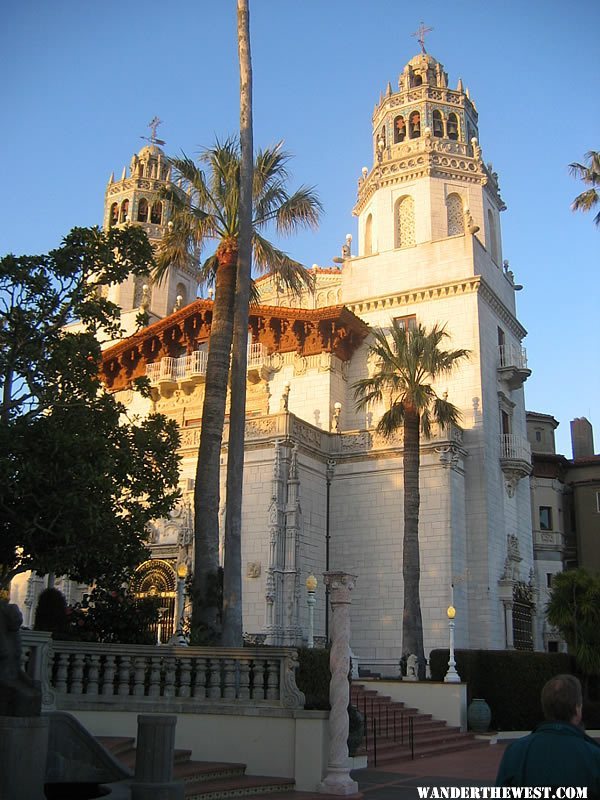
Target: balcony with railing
x=512, y=365
x=192, y=368
x=515, y=460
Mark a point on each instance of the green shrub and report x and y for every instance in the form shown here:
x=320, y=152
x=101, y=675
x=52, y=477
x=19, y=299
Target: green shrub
x=114, y=616
x=313, y=676
x=51, y=613
x=510, y=681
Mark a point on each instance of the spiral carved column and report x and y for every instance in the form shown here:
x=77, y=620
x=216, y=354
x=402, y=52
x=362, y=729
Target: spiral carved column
x=338, y=780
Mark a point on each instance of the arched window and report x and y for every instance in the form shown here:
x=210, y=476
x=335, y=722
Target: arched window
x=414, y=125
x=143, y=210
x=399, y=129
x=492, y=236
x=113, y=217
x=405, y=222
x=455, y=215
x=368, y=248
x=156, y=213
x=124, y=211
x=438, y=124
x=141, y=170
x=452, y=126
x=417, y=80
x=180, y=291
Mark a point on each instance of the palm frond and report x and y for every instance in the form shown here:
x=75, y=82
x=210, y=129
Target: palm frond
x=301, y=210
x=290, y=273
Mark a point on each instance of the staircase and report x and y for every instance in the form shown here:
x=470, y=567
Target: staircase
x=396, y=732
x=208, y=780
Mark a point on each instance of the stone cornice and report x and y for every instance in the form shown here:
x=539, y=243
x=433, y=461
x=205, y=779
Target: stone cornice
x=427, y=158
x=440, y=292
x=333, y=329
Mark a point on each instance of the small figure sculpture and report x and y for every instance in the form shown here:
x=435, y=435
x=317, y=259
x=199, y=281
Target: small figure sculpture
x=19, y=695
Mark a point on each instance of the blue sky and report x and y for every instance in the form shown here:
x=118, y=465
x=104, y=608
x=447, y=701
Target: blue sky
x=81, y=81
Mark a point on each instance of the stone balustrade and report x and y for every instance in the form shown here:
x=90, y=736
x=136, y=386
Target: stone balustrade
x=186, y=368
x=86, y=674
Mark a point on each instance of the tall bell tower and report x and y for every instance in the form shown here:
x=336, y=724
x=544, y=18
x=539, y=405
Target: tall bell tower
x=430, y=253
x=425, y=139
x=138, y=199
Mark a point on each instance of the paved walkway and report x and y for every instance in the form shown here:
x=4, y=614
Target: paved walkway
x=399, y=781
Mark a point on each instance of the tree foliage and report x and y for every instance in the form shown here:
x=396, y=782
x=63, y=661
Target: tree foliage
x=79, y=481
x=574, y=609
x=589, y=173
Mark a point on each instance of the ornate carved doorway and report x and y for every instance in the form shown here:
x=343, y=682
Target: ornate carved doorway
x=157, y=579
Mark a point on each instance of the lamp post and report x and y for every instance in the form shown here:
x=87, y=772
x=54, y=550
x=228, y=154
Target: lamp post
x=181, y=576
x=311, y=585
x=452, y=675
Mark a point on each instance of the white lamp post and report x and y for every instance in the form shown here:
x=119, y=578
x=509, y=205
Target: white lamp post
x=181, y=576
x=452, y=675
x=311, y=585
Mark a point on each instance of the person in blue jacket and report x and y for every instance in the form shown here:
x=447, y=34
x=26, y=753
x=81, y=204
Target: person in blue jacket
x=558, y=752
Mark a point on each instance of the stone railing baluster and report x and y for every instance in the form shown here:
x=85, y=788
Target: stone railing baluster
x=139, y=676
x=108, y=682
x=258, y=673
x=214, y=679
x=229, y=672
x=77, y=673
x=169, y=689
x=62, y=671
x=154, y=688
x=93, y=675
x=272, y=679
x=185, y=677
x=244, y=690
x=199, y=686
x=123, y=676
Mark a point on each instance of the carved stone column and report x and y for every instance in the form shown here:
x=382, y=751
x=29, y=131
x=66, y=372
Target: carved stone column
x=338, y=780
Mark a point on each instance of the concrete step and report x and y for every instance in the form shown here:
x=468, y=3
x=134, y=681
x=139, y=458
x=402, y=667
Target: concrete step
x=240, y=786
x=404, y=754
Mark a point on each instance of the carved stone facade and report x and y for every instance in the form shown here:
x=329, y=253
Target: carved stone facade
x=429, y=249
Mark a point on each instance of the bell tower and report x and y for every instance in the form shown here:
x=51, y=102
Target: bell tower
x=428, y=181
x=138, y=199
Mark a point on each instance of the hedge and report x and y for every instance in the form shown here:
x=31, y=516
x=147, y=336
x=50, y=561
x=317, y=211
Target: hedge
x=510, y=681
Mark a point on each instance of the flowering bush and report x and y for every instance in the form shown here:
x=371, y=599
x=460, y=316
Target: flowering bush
x=113, y=615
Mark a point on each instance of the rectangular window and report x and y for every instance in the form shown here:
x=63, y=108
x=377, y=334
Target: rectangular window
x=408, y=323
x=545, y=518
x=538, y=436
x=549, y=576
x=598, y=502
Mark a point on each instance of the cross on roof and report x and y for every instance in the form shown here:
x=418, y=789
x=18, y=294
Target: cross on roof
x=420, y=33
x=153, y=125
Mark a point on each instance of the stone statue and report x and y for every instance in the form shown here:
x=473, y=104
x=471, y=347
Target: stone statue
x=19, y=695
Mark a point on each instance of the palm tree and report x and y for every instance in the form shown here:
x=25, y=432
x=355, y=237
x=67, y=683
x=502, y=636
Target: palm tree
x=590, y=175
x=232, y=561
x=208, y=210
x=574, y=609
x=407, y=365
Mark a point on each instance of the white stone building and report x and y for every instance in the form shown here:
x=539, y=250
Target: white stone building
x=321, y=487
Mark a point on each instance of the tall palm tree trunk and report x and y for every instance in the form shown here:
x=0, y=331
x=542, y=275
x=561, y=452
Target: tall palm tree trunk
x=205, y=590
x=232, y=577
x=412, y=624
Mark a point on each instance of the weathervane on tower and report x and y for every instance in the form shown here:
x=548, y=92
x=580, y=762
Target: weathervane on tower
x=420, y=33
x=153, y=125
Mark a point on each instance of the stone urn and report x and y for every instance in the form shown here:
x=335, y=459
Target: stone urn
x=479, y=715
